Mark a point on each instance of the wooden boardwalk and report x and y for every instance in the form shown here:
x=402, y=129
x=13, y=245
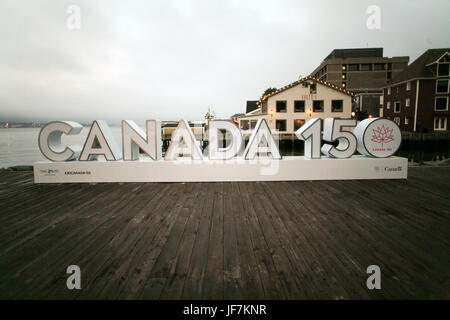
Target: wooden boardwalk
x=258, y=240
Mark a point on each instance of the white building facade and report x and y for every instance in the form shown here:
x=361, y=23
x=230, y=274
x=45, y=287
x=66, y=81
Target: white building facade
x=288, y=108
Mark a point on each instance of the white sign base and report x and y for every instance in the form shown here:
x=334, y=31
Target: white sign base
x=237, y=169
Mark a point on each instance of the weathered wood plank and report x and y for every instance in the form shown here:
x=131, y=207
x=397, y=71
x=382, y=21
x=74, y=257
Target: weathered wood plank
x=249, y=240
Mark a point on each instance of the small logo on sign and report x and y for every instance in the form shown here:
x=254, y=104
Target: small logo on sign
x=382, y=136
x=399, y=168
x=49, y=172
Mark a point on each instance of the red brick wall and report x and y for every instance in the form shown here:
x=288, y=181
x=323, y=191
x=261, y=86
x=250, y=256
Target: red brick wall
x=405, y=112
x=425, y=112
x=425, y=108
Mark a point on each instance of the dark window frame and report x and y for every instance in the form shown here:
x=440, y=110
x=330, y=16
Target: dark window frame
x=341, y=106
x=379, y=67
x=353, y=67
x=277, y=106
x=366, y=65
x=448, y=70
x=437, y=85
x=278, y=121
x=323, y=105
x=295, y=105
x=244, y=127
x=441, y=98
x=295, y=123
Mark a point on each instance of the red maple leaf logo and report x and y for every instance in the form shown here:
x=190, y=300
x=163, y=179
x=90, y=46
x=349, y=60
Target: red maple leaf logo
x=382, y=135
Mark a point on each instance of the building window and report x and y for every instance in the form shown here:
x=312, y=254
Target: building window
x=318, y=106
x=366, y=67
x=389, y=75
x=388, y=105
x=441, y=104
x=397, y=120
x=281, y=125
x=245, y=124
x=344, y=76
x=389, y=91
x=408, y=86
x=378, y=66
x=440, y=123
x=304, y=84
x=312, y=88
x=298, y=123
x=407, y=102
x=344, y=84
x=443, y=70
x=442, y=86
x=344, y=67
x=397, y=106
x=253, y=124
x=281, y=106
x=299, y=106
x=406, y=120
x=353, y=67
x=337, y=105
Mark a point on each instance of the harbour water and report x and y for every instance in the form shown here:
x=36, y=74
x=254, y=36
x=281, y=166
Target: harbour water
x=19, y=146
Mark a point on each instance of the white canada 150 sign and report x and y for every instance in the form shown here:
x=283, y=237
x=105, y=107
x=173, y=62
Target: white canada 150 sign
x=375, y=137
x=328, y=153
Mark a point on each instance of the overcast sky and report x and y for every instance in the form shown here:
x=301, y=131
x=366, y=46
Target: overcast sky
x=171, y=59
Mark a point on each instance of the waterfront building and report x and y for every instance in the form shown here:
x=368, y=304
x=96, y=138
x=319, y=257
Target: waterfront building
x=417, y=98
x=288, y=108
x=363, y=71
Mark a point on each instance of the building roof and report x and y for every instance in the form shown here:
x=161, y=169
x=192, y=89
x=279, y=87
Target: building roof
x=355, y=53
x=308, y=78
x=251, y=105
x=418, y=68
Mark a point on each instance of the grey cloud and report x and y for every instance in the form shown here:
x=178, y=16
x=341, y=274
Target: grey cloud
x=171, y=59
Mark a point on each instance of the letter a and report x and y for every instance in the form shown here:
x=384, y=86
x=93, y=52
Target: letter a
x=100, y=133
x=374, y=281
x=261, y=142
x=183, y=143
x=74, y=281
x=374, y=20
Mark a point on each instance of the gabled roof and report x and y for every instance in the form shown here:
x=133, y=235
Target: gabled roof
x=308, y=78
x=418, y=68
x=251, y=105
x=439, y=58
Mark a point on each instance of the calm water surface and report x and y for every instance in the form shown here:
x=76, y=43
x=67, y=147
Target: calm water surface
x=19, y=146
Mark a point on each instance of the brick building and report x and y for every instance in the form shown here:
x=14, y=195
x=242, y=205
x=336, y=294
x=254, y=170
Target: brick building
x=417, y=98
x=363, y=71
